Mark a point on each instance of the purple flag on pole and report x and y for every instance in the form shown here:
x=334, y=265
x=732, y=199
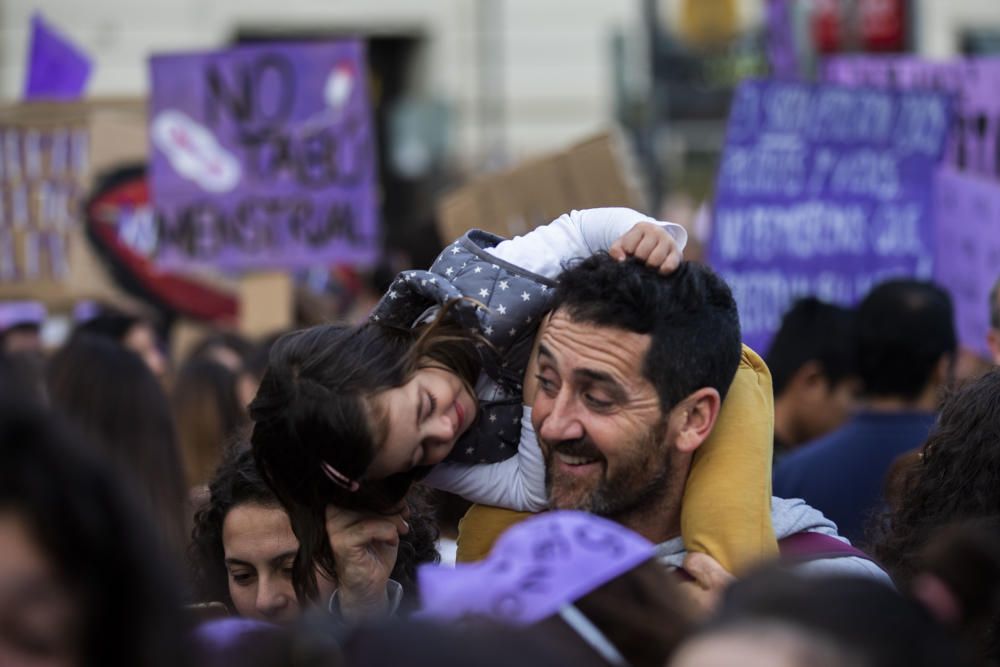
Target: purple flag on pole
x=57, y=69
x=263, y=157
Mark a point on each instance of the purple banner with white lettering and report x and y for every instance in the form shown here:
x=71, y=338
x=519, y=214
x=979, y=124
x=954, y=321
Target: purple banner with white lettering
x=974, y=143
x=967, y=260
x=825, y=191
x=263, y=157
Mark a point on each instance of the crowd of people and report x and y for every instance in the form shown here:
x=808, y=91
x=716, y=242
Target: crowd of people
x=584, y=391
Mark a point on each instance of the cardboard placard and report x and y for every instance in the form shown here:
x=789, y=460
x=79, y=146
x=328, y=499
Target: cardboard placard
x=590, y=174
x=50, y=154
x=267, y=303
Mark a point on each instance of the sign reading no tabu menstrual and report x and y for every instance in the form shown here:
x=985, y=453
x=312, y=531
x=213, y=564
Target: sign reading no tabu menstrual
x=263, y=157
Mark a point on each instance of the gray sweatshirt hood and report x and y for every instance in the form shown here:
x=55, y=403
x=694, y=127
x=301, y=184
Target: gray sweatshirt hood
x=790, y=516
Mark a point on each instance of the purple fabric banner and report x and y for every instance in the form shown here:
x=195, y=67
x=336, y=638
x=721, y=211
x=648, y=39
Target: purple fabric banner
x=967, y=260
x=263, y=157
x=825, y=191
x=974, y=143
x=57, y=69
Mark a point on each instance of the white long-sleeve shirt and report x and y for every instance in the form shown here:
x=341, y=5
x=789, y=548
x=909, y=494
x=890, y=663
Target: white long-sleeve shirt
x=519, y=482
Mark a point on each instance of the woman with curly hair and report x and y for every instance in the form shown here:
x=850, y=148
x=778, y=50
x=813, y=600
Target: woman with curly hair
x=243, y=552
x=955, y=478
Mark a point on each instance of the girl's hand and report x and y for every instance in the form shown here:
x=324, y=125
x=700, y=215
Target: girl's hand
x=365, y=546
x=708, y=581
x=650, y=243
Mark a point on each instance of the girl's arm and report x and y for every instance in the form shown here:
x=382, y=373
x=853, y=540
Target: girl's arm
x=517, y=483
x=575, y=235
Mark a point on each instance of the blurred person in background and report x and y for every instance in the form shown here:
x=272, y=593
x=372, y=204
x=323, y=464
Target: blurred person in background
x=21, y=355
x=83, y=581
x=225, y=347
x=132, y=331
x=209, y=416
x=813, y=372
x=243, y=550
x=21, y=327
x=906, y=354
x=777, y=618
x=254, y=368
x=958, y=579
x=113, y=399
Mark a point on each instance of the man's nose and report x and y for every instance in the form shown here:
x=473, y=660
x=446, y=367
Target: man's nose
x=273, y=597
x=562, y=422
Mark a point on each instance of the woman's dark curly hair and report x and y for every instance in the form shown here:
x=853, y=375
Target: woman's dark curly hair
x=956, y=478
x=238, y=482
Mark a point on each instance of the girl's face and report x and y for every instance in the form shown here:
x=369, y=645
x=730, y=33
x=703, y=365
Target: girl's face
x=260, y=548
x=425, y=417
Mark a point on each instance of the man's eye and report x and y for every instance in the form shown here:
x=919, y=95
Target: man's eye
x=545, y=383
x=598, y=403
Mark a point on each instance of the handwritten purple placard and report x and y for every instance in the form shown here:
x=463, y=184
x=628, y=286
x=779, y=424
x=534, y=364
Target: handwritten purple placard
x=823, y=190
x=974, y=143
x=967, y=260
x=263, y=157
x=536, y=567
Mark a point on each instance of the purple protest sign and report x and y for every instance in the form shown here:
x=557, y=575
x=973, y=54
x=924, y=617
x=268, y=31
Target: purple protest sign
x=57, y=69
x=974, y=144
x=967, y=260
x=534, y=570
x=263, y=157
x=825, y=191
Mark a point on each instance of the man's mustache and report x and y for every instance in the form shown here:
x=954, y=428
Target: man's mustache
x=579, y=447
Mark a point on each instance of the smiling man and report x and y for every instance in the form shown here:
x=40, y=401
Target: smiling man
x=632, y=369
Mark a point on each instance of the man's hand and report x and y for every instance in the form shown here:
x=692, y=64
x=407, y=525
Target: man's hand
x=364, y=548
x=649, y=243
x=709, y=581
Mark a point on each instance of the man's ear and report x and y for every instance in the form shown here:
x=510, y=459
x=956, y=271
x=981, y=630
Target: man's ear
x=694, y=417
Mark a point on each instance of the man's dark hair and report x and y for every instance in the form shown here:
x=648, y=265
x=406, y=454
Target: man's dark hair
x=690, y=316
x=813, y=330
x=905, y=327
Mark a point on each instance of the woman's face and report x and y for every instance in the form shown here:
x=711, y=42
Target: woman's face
x=259, y=548
x=38, y=619
x=425, y=418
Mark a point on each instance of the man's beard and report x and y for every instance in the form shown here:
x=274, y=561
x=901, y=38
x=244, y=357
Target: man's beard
x=635, y=482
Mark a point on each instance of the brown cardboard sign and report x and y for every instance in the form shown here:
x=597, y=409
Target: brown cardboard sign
x=49, y=156
x=590, y=174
